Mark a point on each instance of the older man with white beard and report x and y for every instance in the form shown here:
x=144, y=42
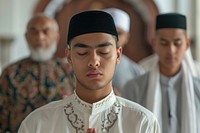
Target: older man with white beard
x=35, y=80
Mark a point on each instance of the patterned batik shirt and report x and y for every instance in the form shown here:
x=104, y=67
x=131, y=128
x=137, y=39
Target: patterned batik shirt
x=27, y=85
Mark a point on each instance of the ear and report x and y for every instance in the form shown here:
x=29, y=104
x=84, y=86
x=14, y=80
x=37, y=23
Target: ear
x=188, y=42
x=119, y=53
x=68, y=55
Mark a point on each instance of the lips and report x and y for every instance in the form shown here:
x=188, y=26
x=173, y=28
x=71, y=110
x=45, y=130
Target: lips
x=94, y=74
x=171, y=58
x=40, y=44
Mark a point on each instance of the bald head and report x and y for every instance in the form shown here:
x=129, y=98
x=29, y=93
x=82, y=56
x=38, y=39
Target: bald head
x=42, y=18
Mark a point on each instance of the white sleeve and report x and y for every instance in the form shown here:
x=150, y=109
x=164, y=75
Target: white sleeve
x=155, y=128
x=23, y=129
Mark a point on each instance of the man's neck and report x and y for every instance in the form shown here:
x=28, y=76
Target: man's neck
x=170, y=72
x=92, y=96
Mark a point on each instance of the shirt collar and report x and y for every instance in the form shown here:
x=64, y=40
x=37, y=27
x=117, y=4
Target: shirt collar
x=170, y=80
x=94, y=108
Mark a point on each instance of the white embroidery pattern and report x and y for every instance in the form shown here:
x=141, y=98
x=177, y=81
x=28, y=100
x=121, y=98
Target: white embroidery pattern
x=108, y=122
x=81, y=103
x=76, y=122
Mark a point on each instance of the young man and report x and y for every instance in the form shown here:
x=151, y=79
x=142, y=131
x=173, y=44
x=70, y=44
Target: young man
x=193, y=66
x=126, y=69
x=93, y=108
x=35, y=80
x=169, y=90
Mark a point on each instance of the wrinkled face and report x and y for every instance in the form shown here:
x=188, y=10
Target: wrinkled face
x=94, y=57
x=41, y=33
x=123, y=37
x=170, y=44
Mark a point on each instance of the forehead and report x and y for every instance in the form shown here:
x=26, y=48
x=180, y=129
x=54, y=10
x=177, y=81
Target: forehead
x=170, y=33
x=40, y=23
x=93, y=39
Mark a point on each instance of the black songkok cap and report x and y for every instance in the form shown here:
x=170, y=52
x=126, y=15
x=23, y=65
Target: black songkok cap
x=91, y=22
x=171, y=20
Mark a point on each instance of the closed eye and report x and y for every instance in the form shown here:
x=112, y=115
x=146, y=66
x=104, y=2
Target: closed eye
x=104, y=53
x=164, y=43
x=178, y=42
x=81, y=54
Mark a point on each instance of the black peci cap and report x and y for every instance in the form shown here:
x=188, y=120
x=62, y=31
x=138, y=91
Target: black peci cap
x=91, y=22
x=171, y=20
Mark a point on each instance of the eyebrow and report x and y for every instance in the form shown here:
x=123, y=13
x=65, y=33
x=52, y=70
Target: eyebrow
x=43, y=28
x=162, y=39
x=81, y=45
x=176, y=39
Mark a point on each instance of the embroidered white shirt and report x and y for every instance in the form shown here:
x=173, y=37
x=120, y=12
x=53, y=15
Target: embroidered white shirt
x=72, y=115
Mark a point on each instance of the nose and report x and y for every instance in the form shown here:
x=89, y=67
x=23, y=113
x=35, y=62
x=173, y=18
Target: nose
x=40, y=36
x=172, y=48
x=94, y=60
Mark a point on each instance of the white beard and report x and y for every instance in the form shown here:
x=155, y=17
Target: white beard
x=43, y=55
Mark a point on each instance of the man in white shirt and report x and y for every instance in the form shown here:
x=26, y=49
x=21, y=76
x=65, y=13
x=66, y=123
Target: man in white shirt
x=93, y=108
x=169, y=89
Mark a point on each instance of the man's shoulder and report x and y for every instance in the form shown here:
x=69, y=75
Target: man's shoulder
x=196, y=82
x=130, y=63
x=47, y=111
x=21, y=61
x=16, y=64
x=135, y=109
x=139, y=79
x=148, y=62
x=135, y=89
x=44, y=115
x=61, y=61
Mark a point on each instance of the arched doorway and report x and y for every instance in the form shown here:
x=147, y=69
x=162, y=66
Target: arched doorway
x=142, y=13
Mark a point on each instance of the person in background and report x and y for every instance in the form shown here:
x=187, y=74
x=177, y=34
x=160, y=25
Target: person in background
x=127, y=69
x=193, y=66
x=93, y=108
x=169, y=89
x=35, y=80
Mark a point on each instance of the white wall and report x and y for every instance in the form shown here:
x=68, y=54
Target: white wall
x=6, y=23
x=14, y=16
x=165, y=5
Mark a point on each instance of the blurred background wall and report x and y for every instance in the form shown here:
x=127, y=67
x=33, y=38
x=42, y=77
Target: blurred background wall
x=14, y=15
